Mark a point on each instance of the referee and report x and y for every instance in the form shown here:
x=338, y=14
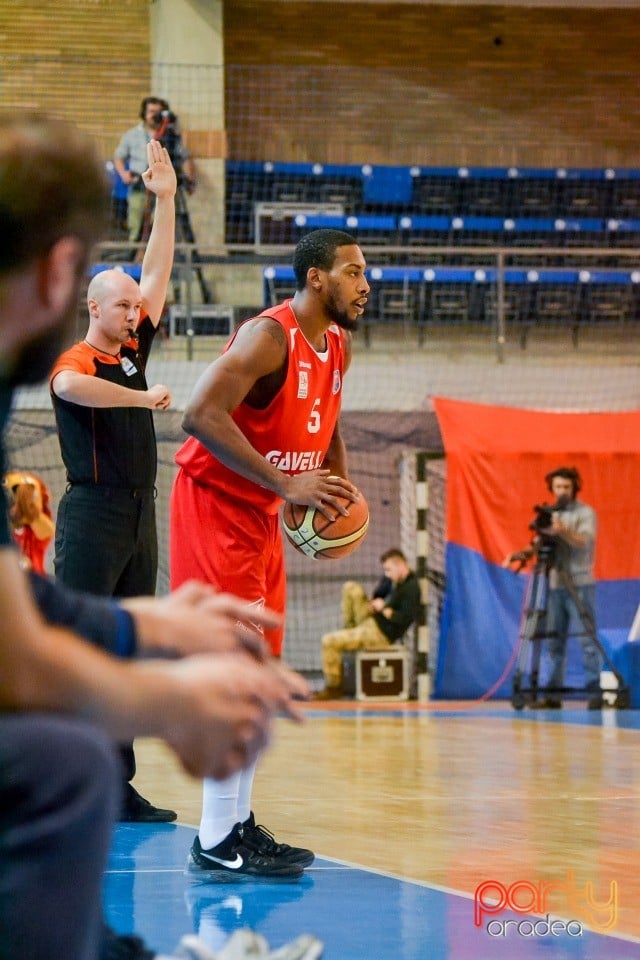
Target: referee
x=106, y=540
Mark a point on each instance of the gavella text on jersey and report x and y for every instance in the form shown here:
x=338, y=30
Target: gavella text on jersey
x=295, y=461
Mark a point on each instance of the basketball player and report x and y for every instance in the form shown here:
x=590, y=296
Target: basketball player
x=271, y=401
x=61, y=700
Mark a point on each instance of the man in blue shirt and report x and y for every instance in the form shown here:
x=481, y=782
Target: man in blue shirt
x=130, y=160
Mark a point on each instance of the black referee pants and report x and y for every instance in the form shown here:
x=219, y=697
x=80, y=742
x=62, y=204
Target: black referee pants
x=107, y=544
x=106, y=541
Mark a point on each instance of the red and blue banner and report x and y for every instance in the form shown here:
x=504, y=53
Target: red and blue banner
x=497, y=458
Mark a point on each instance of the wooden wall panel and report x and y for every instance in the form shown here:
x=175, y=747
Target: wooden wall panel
x=412, y=83
x=324, y=80
x=85, y=60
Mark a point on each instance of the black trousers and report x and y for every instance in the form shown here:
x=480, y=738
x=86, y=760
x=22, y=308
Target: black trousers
x=106, y=541
x=59, y=795
x=107, y=544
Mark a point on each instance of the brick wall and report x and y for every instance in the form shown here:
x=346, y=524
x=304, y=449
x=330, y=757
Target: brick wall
x=356, y=82
x=85, y=60
x=413, y=83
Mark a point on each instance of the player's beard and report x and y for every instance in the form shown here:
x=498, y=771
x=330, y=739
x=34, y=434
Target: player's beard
x=340, y=316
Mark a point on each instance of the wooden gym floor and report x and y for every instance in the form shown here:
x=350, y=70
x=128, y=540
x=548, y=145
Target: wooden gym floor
x=410, y=810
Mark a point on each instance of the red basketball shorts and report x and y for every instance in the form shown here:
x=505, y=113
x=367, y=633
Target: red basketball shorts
x=227, y=543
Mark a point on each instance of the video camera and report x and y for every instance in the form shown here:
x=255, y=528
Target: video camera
x=170, y=138
x=165, y=115
x=544, y=512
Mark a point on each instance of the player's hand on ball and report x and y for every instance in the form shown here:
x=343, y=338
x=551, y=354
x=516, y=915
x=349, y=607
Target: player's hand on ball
x=321, y=489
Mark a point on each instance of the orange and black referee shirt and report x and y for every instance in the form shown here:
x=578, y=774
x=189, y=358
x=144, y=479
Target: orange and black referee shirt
x=108, y=446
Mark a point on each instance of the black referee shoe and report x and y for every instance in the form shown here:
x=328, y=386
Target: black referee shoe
x=135, y=809
x=260, y=839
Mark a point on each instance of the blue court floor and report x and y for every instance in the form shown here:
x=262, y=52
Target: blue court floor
x=359, y=914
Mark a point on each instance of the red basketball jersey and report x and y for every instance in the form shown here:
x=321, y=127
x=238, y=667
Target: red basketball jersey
x=294, y=431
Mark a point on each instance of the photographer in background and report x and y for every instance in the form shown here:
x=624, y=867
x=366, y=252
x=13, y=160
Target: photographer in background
x=571, y=536
x=130, y=158
x=371, y=623
x=30, y=517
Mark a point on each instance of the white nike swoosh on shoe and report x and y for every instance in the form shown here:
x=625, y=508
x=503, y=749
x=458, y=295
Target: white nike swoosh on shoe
x=231, y=864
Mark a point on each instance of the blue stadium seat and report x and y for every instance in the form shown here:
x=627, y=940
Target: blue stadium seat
x=368, y=231
x=534, y=197
x=423, y=231
x=410, y=207
x=583, y=198
x=133, y=269
x=528, y=232
x=471, y=231
x=625, y=197
x=610, y=297
x=437, y=194
x=486, y=197
x=580, y=234
x=452, y=296
x=623, y=235
x=278, y=283
x=558, y=299
x=394, y=298
x=347, y=191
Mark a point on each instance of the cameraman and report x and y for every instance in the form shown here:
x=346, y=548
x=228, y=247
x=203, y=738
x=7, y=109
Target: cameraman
x=570, y=536
x=130, y=158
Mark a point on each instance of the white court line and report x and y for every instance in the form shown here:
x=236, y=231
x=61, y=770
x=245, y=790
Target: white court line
x=348, y=865
x=467, y=896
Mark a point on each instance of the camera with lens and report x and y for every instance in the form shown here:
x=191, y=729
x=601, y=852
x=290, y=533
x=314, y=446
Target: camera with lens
x=544, y=512
x=543, y=517
x=166, y=115
x=170, y=139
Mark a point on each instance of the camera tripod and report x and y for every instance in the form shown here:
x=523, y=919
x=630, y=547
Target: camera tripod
x=184, y=233
x=535, y=611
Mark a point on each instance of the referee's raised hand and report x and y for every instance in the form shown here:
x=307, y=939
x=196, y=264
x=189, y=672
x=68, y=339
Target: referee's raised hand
x=159, y=177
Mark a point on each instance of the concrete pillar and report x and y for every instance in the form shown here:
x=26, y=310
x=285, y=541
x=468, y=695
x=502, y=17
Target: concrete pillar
x=187, y=68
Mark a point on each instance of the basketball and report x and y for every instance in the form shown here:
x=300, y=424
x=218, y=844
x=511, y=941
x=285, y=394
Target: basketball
x=321, y=539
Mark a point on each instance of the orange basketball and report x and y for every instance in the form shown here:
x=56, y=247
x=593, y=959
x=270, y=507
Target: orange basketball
x=315, y=536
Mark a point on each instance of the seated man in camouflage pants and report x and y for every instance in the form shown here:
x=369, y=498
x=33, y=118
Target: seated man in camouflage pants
x=371, y=623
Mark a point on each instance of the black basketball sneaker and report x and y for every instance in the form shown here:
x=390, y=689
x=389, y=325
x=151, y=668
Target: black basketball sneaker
x=234, y=858
x=258, y=838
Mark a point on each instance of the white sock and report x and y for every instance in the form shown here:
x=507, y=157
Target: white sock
x=245, y=791
x=219, y=810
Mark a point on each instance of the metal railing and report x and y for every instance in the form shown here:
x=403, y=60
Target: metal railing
x=191, y=259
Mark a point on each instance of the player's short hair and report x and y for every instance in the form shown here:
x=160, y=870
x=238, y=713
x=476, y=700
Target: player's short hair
x=567, y=473
x=52, y=185
x=318, y=249
x=393, y=554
